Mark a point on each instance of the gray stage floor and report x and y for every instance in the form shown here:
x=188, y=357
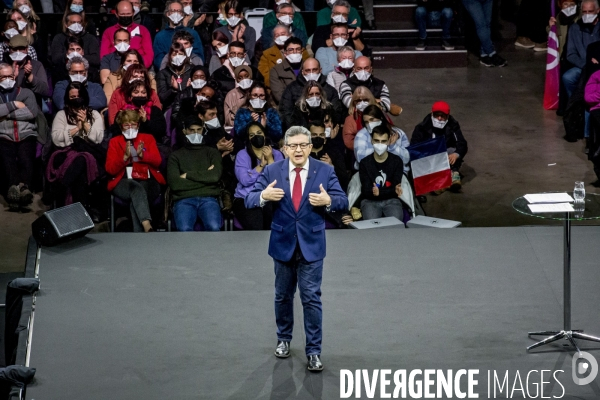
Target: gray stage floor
x=190, y=316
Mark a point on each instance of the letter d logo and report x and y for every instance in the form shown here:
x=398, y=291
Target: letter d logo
x=584, y=364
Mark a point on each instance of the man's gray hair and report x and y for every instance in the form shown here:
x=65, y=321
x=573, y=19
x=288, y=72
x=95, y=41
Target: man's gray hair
x=168, y=5
x=284, y=6
x=5, y=65
x=345, y=49
x=295, y=131
x=342, y=3
x=596, y=5
x=287, y=28
x=78, y=60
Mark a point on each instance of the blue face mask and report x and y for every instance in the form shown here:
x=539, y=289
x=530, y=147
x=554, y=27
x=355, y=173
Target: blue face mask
x=76, y=8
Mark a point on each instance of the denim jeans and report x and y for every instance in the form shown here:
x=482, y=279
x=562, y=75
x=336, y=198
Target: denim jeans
x=571, y=80
x=372, y=209
x=481, y=12
x=307, y=276
x=187, y=211
x=434, y=19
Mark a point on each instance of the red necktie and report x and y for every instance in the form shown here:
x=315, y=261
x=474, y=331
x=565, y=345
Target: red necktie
x=297, y=192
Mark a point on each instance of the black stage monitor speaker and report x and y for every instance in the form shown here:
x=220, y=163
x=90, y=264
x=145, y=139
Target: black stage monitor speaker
x=62, y=224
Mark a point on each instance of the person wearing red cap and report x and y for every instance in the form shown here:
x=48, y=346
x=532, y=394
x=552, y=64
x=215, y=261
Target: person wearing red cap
x=440, y=122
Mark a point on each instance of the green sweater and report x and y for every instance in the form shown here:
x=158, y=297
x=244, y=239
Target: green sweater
x=324, y=17
x=194, y=161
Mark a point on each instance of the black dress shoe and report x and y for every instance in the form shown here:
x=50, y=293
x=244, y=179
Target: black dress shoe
x=371, y=25
x=283, y=349
x=314, y=363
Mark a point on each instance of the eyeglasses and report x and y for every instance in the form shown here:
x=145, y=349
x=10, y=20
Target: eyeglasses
x=239, y=55
x=128, y=126
x=291, y=50
x=294, y=146
x=291, y=13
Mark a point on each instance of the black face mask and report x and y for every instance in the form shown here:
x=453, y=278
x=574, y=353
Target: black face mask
x=258, y=141
x=139, y=101
x=125, y=21
x=76, y=102
x=318, y=142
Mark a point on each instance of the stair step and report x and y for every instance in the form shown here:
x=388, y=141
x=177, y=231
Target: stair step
x=394, y=12
x=408, y=57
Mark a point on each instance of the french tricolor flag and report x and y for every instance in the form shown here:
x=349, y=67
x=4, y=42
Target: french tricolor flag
x=430, y=166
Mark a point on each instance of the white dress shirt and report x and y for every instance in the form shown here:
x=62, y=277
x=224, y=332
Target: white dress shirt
x=292, y=175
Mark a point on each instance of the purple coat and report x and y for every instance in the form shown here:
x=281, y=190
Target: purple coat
x=245, y=172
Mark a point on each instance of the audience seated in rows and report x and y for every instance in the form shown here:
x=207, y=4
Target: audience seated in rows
x=172, y=80
x=339, y=15
x=225, y=75
x=276, y=54
x=284, y=15
x=237, y=29
x=314, y=106
x=343, y=69
x=322, y=149
x=362, y=75
x=257, y=107
x=118, y=100
x=186, y=40
x=140, y=38
x=29, y=73
x=285, y=72
x=361, y=99
x=77, y=68
x=328, y=56
x=237, y=96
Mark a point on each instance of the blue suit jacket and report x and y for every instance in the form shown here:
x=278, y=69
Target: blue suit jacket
x=307, y=226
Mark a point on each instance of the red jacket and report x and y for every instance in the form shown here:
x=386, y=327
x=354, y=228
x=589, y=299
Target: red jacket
x=117, y=102
x=115, y=166
x=142, y=42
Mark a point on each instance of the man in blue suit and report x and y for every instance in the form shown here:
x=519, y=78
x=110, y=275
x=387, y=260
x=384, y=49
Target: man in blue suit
x=302, y=191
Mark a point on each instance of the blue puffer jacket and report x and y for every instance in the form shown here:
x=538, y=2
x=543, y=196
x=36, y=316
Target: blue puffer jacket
x=244, y=116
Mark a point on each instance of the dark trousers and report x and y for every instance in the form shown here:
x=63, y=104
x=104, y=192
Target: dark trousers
x=307, y=276
x=140, y=194
x=17, y=160
x=75, y=181
x=253, y=219
x=532, y=20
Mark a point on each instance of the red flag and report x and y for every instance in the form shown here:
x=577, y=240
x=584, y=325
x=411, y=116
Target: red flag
x=551, y=87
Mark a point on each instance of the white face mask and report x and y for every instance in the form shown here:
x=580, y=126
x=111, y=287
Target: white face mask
x=363, y=75
x=188, y=51
x=134, y=79
x=280, y=40
x=136, y=10
x=339, y=42
x=339, y=19
x=328, y=132
x=125, y=66
x=201, y=98
x=178, y=60
x=78, y=78
x=257, y=104
x=175, y=18
x=213, y=123
x=23, y=24
x=233, y=21
x=222, y=51
x=361, y=105
x=347, y=64
x=75, y=28
x=588, y=18
x=188, y=10
x=130, y=133
x=11, y=33
x=313, y=101
x=122, y=47
x=24, y=9
x=17, y=56
x=331, y=2
x=569, y=10
x=194, y=138
x=380, y=148
x=286, y=20
x=73, y=54
x=437, y=123
x=245, y=83
x=236, y=61
x=7, y=84
x=372, y=125
x=198, y=83
x=294, y=58
x=312, y=77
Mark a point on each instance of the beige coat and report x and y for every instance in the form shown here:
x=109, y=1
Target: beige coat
x=61, y=128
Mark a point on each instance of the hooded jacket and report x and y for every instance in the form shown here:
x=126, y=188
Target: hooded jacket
x=454, y=136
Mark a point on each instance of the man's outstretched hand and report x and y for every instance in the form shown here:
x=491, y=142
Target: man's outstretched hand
x=271, y=193
x=319, y=199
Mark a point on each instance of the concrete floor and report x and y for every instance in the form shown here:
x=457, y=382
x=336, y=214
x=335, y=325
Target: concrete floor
x=512, y=142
